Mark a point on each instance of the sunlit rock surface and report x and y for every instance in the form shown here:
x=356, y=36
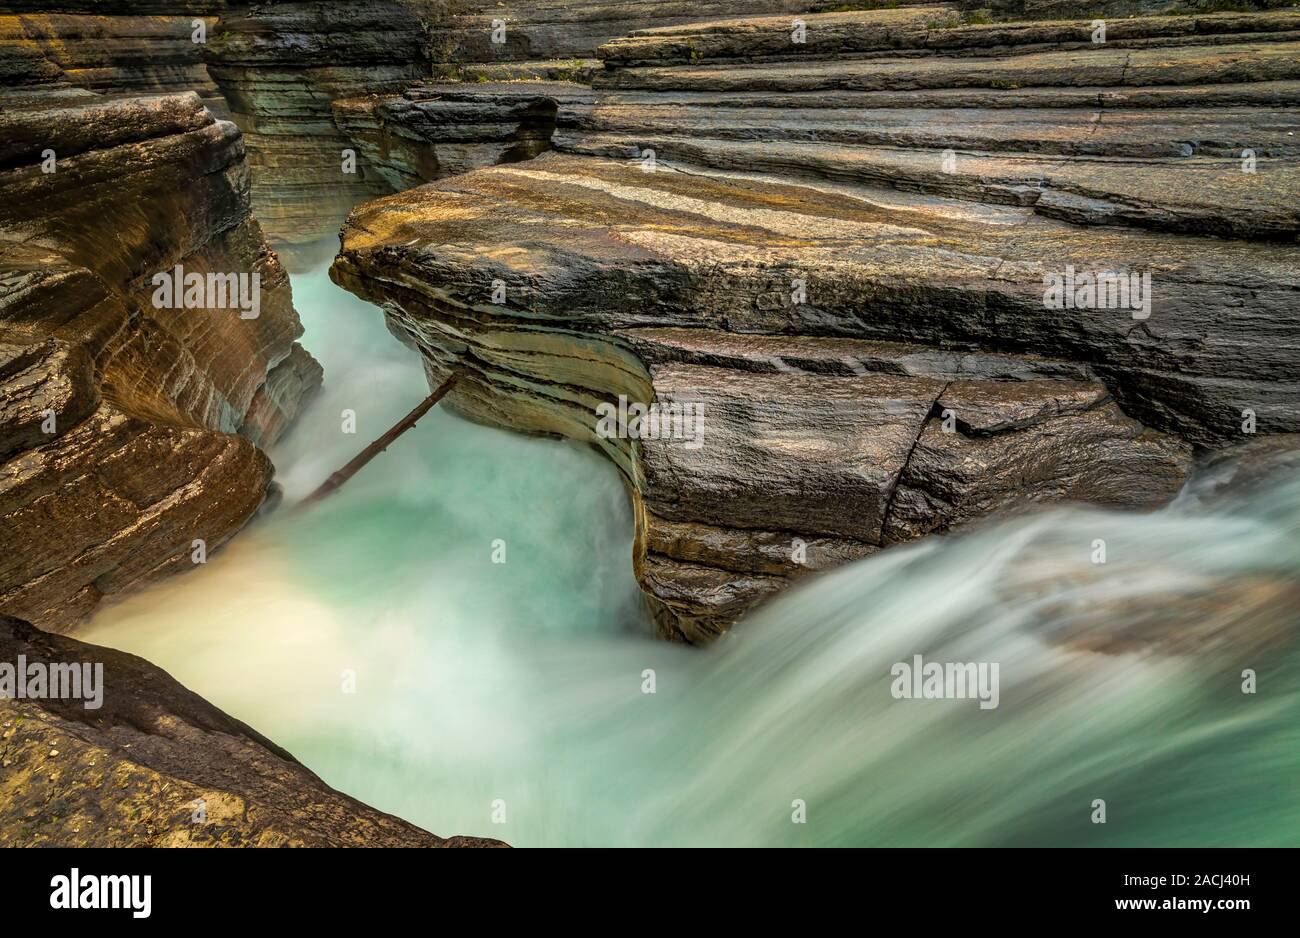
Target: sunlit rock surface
x=157, y=766
x=108, y=47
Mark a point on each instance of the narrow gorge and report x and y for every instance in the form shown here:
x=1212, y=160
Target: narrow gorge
x=792, y=339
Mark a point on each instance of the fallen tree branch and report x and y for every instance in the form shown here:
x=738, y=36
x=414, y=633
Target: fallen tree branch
x=336, y=480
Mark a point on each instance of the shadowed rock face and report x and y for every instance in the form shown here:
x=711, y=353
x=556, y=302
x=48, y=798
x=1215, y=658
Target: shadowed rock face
x=409, y=144
x=119, y=417
x=280, y=66
x=157, y=766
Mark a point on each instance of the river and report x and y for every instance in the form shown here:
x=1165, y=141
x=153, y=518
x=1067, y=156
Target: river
x=456, y=637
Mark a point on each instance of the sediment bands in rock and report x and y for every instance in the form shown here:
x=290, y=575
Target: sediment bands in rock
x=1176, y=123
x=119, y=419
x=564, y=29
x=921, y=383
x=155, y=765
x=280, y=66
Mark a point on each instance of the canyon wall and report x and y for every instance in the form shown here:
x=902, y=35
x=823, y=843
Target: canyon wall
x=129, y=427
x=280, y=66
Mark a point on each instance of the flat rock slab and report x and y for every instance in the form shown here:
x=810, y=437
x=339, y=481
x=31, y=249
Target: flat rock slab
x=929, y=27
x=1181, y=65
x=1099, y=132
x=552, y=29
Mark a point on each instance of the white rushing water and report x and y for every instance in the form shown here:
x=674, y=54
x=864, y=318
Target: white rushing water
x=513, y=691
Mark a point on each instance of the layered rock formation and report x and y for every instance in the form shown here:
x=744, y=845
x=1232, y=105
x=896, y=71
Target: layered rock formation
x=157, y=766
x=841, y=251
x=280, y=66
x=481, y=33
x=108, y=47
x=119, y=417
x=833, y=229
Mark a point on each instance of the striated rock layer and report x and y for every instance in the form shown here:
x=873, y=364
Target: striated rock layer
x=108, y=47
x=280, y=66
x=157, y=766
x=119, y=419
x=486, y=31
x=838, y=243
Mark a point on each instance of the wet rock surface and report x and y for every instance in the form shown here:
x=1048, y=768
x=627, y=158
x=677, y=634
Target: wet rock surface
x=157, y=766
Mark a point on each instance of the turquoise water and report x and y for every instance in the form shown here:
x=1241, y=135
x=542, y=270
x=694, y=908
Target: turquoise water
x=506, y=699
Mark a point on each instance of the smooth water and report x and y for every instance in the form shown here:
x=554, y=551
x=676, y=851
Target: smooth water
x=514, y=691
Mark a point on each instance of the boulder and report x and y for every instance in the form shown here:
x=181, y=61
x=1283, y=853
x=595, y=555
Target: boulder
x=760, y=306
